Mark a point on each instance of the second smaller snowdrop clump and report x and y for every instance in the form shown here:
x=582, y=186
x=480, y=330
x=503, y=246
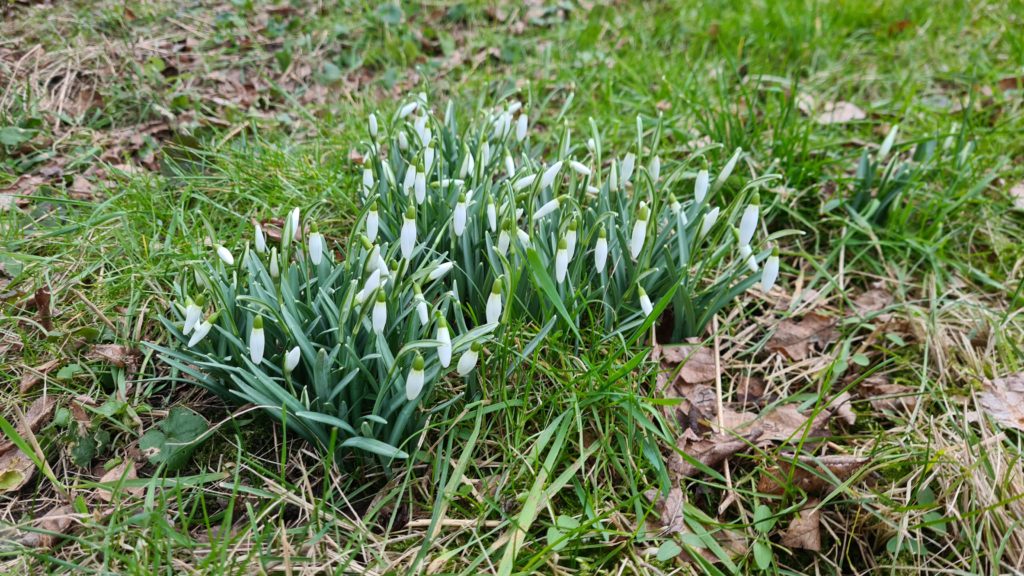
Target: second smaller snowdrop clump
x=585, y=237
x=344, y=350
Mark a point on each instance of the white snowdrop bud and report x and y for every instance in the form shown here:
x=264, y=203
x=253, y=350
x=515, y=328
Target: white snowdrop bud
x=485, y=153
x=613, y=178
x=407, y=109
x=510, y=166
x=524, y=238
x=550, y=174
x=467, y=164
x=771, y=271
x=403, y=141
x=316, y=248
x=492, y=215
x=709, y=221
x=467, y=362
x=591, y=145
x=561, y=260
x=444, y=343
x=628, y=163
x=548, y=208
x=728, y=168
x=421, y=304
x=747, y=256
x=887, y=144
x=257, y=341
x=373, y=125
x=592, y=190
x=494, y=302
x=654, y=169
x=407, y=240
x=291, y=360
x=503, y=241
x=524, y=182
x=579, y=168
x=601, y=250
x=202, y=329
x=460, y=215
x=410, y=179
x=645, y=302
x=380, y=313
x=675, y=206
x=700, y=186
x=636, y=242
x=368, y=181
x=261, y=239
x=421, y=187
x=748, y=222
x=420, y=126
x=521, y=126
x=193, y=313
x=372, y=222
x=372, y=283
x=514, y=106
x=225, y=255
x=440, y=271
x=294, y=223
x=570, y=238
x=414, y=382
x=275, y=268
x=428, y=159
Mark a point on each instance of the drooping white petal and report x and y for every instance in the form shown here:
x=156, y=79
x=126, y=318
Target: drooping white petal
x=295, y=224
x=428, y=160
x=408, y=237
x=316, y=248
x=524, y=238
x=467, y=165
x=494, y=305
x=748, y=224
x=510, y=166
x=261, y=239
x=193, y=313
x=547, y=208
x=645, y=303
x=728, y=168
x=709, y=221
x=421, y=187
x=636, y=242
x=257, y=343
x=700, y=186
x=421, y=311
x=747, y=256
x=521, y=126
x=380, y=315
x=601, y=254
x=414, y=383
x=467, y=362
x=561, y=264
x=403, y=141
x=548, y=178
x=492, y=215
x=485, y=153
x=410, y=179
x=655, y=169
x=579, y=168
x=628, y=164
x=524, y=182
x=460, y=218
x=503, y=242
x=770, y=273
x=200, y=332
x=291, y=359
x=444, y=346
x=368, y=181
x=372, y=122
x=372, y=224
x=441, y=270
x=225, y=255
x=372, y=283
x=407, y=109
x=570, y=240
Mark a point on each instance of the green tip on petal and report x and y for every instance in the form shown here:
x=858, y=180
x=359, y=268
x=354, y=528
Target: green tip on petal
x=373, y=206
x=462, y=197
x=572, y=224
x=213, y=317
x=601, y=232
x=366, y=242
x=496, y=288
x=563, y=244
x=410, y=212
x=257, y=324
x=441, y=322
x=417, y=362
x=381, y=297
x=775, y=251
x=417, y=290
x=644, y=213
x=641, y=289
x=756, y=199
x=476, y=347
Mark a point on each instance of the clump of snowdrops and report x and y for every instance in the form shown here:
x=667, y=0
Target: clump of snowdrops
x=463, y=234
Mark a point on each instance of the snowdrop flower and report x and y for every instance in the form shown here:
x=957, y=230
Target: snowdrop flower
x=645, y=302
x=485, y=153
x=524, y=182
x=421, y=187
x=521, y=126
x=275, y=268
x=468, y=164
x=372, y=283
x=316, y=248
x=261, y=239
x=291, y=360
x=414, y=382
x=444, y=346
x=428, y=159
x=410, y=179
x=440, y=270
x=257, y=341
x=709, y=221
x=380, y=313
x=579, y=168
x=748, y=223
x=368, y=181
x=407, y=239
x=675, y=206
x=591, y=145
x=373, y=125
x=727, y=170
x=747, y=256
x=524, y=238
x=293, y=221
x=592, y=190
x=202, y=329
x=510, y=165
x=504, y=239
x=601, y=250
x=494, y=302
x=613, y=178
x=890, y=139
x=561, y=260
x=467, y=362
x=447, y=182
x=700, y=186
x=570, y=238
x=636, y=242
x=420, y=126
x=460, y=215
x=407, y=109
x=225, y=255
x=421, y=304
x=771, y=271
x=492, y=214
x=654, y=169
x=548, y=178
x=372, y=222
x=548, y=208
x=193, y=313
x=628, y=163
x=503, y=125
x=403, y=141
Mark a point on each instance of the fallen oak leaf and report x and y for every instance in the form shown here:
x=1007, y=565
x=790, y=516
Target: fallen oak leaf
x=885, y=396
x=804, y=531
x=710, y=451
x=33, y=376
x=120, y=356
x=52, y=526
x=809, y=474
x=840, y=113
x=672, y=517
x=794, y=338
x=38, y=414
x=121, y=473
x=1003, y=399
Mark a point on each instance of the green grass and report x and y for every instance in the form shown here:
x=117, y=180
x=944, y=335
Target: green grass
x=555, y=457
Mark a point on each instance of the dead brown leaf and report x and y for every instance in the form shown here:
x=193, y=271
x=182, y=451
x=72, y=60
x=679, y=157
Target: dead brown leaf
x=671, y=521
x=811, y=474
x=804, y=531
x=81, y=188
x=794, y=338
x=872, y=301
x=42, y=302
x=1011, y=83
x=710, y=451
x=16, y=468
x=122, y=472
x=885, y=396
x=1003, y=399
x=38, y=414
x=840, y=113
x=24, y=185
x=57, y=521
x=34, y=376
x=120, y=356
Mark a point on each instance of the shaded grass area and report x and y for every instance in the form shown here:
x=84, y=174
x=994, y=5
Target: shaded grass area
x=572, y=434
